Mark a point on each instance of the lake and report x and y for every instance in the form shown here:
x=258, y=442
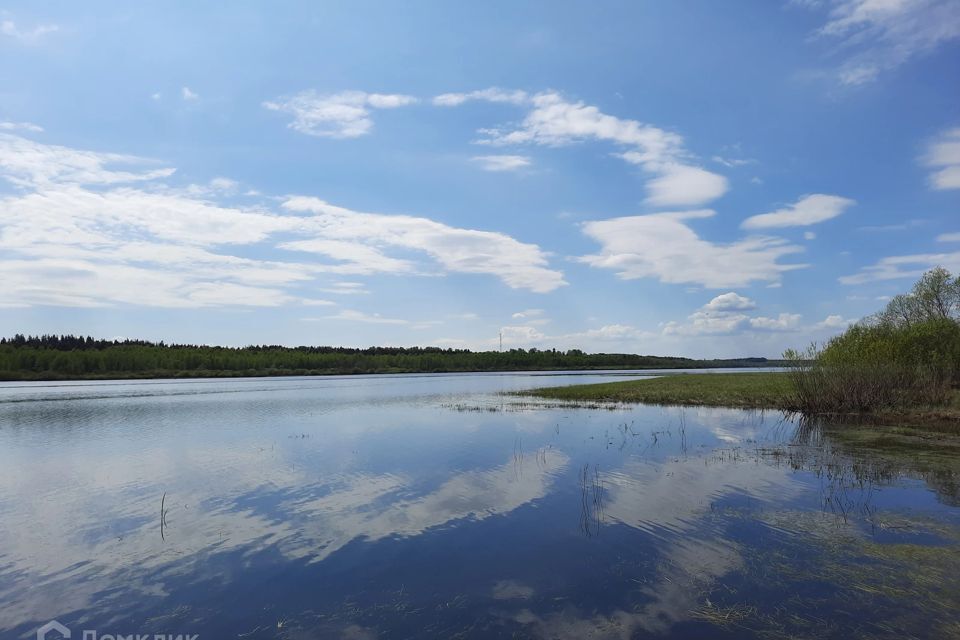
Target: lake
x=432, y=506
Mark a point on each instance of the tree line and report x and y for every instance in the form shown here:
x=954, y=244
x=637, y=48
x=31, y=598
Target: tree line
x=24, y=357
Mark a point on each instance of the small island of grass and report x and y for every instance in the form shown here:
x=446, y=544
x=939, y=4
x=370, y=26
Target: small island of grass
x=761, y=390
x=740, y=390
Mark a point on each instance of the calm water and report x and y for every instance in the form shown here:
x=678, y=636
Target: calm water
x=431, y=506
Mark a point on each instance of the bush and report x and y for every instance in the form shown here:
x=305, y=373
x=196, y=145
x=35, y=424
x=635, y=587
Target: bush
x=907, y=355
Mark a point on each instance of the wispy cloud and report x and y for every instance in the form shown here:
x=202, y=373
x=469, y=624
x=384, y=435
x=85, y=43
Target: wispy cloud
x=357, y=238
x=900, y=226
x=943, y=154
x=502, y=162
x=876, y=36
x=553, y=120
x=733, y=162
x=808, y=210
x=346, y=288
x=337, y=115
x=352, y=315
x=493, y=94
x=906, y=266
x=607, y=337
x=30, y=35
x=20, y=126
x=663, y=246
x=189, y=95
x=88, y=228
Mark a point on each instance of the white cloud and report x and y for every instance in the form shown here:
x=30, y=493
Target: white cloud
x=21, y=126
x=944, y=155
x=492, y=94
x=552, y=120
x=909, y=266
x=946, y=178
x=67, y=245
x=662, y=246
x=528, y=313
x=783, y=322
x=352, y=315
x=10, y=29
x=876, y=36
x=389, y=100
x=706, y=323
x=189, y=95
x=733, y=162
x=519, y=265
x=949, y=237
x=502, y=162
x=346, y=288
x=680, y=185
x=27, y=163
x=809, y=235
x=809, y=210
x=528, y=335
x=608, y=338
x=730, y=302
x=835, y=322
x=724, y=315
x=216, y=186
x=79, y=231
x=339, y=115
x=360, y=259
x=359, y=316
x=73, y=215
x=523, y=335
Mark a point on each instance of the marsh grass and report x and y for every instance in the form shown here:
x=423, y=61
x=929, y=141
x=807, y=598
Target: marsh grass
x=738, y=390
x=591, y=500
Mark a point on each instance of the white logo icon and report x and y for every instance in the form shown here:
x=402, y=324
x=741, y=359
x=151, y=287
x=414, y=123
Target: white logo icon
x=49, y=628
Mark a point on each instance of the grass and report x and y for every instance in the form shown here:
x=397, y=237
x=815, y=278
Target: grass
x=740, y=390
x=760, y=390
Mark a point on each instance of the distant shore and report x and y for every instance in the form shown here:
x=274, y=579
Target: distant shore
x=69, y=357
x=182, y=374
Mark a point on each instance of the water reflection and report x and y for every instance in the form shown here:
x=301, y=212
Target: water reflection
x=381, y=508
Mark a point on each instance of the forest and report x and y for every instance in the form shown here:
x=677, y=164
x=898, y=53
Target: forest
x=64, y=357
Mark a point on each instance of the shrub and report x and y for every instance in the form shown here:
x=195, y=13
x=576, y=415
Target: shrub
x=893, y=360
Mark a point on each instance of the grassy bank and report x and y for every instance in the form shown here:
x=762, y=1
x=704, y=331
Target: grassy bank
x=737, y=390
x=742, y=390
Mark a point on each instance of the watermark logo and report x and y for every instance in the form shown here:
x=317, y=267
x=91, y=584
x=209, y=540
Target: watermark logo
x=54, y=630
x=50, y=630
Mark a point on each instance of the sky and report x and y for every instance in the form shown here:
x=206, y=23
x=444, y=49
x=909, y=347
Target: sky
x=692, y=178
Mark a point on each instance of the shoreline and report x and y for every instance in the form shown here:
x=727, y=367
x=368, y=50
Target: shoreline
x=738, y=390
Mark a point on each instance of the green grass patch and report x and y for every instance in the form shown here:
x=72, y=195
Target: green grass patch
x=742, y=390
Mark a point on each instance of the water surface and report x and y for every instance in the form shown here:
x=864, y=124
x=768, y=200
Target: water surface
x=433, y=506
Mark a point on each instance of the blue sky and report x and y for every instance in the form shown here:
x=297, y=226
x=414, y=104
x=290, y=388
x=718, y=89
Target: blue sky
x=696, y=178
